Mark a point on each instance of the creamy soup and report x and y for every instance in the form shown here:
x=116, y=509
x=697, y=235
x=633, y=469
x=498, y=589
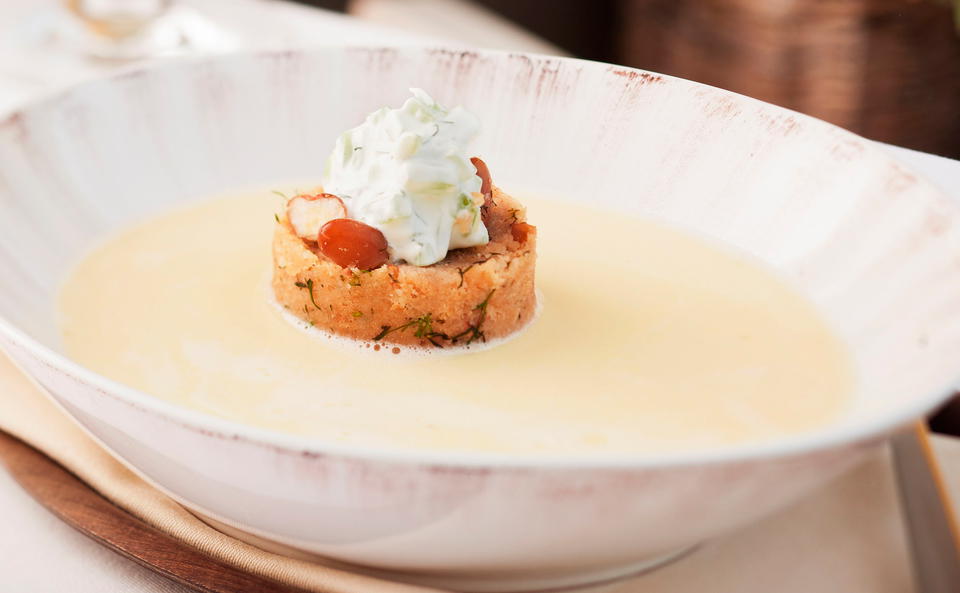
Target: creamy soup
x=649, y=339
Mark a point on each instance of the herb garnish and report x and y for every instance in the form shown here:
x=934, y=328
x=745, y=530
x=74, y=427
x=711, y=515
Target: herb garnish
x=424, y=325
x=276, y=217
x=424, y=328
x=354, y=279
x=309, y=286
x=463, y=271
x=474, y=332
x=281, y=194
x=357, y=314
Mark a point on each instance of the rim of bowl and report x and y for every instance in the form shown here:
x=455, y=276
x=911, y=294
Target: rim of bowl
x=836, y=434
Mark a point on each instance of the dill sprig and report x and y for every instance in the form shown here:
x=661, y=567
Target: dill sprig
x=424, y=329
x=309, y=286
x=475, y=332
x=463, y=271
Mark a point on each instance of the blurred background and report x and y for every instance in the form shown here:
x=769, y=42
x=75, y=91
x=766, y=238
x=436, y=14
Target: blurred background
x=886, y=69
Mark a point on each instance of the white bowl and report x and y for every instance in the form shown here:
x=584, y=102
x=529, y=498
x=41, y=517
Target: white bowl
x=877, y=248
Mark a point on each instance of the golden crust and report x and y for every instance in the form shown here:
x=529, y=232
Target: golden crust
x=477, y=293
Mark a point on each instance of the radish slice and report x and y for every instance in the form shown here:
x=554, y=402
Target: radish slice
x=307, y=214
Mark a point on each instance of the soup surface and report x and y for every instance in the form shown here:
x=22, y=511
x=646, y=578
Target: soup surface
x=649, y=339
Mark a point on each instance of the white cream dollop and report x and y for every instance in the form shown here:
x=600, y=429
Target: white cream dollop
x=406, y=173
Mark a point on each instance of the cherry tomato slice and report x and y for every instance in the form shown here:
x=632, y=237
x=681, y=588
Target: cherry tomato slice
x=353, y=244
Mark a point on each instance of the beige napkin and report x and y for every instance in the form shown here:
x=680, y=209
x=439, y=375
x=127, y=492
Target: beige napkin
x=846, y=537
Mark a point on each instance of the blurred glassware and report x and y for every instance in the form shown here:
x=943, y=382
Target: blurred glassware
x=118, y=19
x=105, y=32
x=124, y=29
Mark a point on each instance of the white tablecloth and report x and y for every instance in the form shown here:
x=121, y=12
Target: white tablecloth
x=844, y=538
